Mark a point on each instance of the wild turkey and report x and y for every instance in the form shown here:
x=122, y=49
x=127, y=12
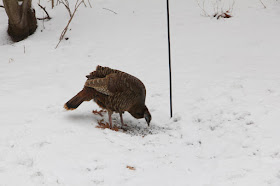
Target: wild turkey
x=115, y=91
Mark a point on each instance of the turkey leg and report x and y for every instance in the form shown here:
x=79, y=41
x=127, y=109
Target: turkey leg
x=121, y=119
x=110, y=118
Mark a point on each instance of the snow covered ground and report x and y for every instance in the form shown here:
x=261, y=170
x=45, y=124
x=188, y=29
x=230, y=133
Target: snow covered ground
x=226, y=88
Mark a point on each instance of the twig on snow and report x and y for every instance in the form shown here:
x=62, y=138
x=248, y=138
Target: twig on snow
x=110, y=10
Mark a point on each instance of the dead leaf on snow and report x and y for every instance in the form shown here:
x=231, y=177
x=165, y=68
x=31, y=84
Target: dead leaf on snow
x=130, y=168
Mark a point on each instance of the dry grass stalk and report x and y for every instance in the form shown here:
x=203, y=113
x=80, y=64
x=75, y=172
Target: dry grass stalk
x=89, y=4
x=219, y=12
x=66, y=4
x=263, y=4
x=202, y=8
x=78, y=3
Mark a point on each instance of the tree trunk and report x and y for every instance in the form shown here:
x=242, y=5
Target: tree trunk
x=22, y=19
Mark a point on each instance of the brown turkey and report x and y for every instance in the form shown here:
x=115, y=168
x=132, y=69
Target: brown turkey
x=115, y=91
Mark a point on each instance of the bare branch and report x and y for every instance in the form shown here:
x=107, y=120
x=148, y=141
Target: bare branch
x=44, y=8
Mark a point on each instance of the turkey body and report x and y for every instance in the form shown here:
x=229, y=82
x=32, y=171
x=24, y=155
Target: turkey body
x=115, y=91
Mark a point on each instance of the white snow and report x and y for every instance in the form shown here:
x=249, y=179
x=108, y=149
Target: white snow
x=226, y=96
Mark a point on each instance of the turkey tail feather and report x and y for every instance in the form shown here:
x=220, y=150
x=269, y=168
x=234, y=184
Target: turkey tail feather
x=84, y=95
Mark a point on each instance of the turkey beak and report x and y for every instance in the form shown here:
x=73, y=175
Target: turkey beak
x=147, y=118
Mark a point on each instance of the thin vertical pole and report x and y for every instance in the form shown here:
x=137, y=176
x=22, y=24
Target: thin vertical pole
x=169, y=53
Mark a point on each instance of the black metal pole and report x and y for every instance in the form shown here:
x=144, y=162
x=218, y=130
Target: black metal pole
x=169, y=53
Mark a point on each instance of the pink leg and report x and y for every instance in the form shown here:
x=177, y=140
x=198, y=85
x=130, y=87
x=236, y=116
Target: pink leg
x=121, y=119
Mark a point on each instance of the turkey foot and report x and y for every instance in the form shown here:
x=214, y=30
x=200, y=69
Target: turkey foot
x=106, y=125
x=98, y=112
